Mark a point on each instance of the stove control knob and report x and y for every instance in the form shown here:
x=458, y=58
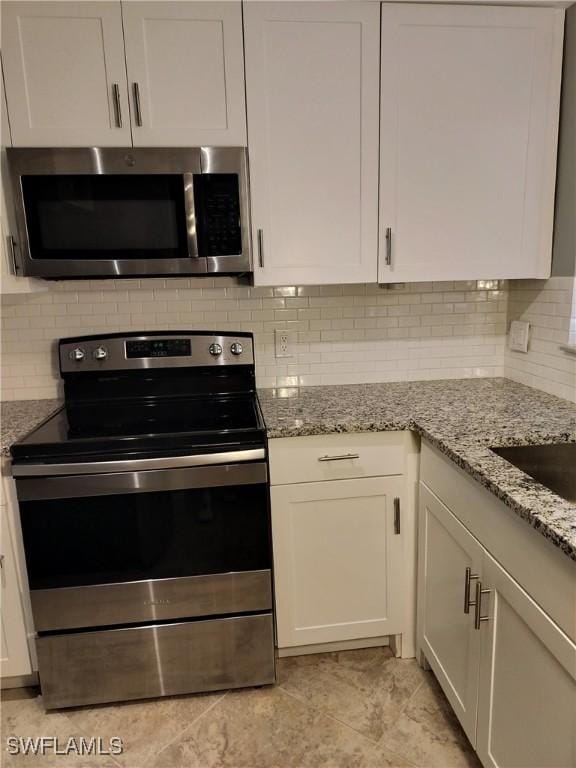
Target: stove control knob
x=100, y=353
x=77, y=354
x=236, y=348
x=215, y=350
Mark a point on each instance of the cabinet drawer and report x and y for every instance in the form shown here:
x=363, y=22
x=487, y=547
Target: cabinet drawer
x=335, y=457
x=81, y=668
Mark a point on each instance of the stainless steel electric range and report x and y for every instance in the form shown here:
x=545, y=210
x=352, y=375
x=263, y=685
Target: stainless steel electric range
x=145, y=517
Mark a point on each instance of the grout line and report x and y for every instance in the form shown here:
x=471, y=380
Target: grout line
x=316, y=708
x=190, y=724
x=372, y=742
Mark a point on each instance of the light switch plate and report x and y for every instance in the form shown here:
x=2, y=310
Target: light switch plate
x=518, y=336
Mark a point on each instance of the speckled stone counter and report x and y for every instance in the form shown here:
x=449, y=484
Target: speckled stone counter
x=18, y=417
x=459, y=417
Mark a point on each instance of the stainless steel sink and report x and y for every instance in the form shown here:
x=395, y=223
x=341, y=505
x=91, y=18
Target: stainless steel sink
x=551, y=465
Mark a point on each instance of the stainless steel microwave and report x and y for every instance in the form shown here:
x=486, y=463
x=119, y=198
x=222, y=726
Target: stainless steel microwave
x=111, y=212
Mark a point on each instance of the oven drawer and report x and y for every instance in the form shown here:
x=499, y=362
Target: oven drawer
x=335, y=457
x=155, y=600
x=122, y=664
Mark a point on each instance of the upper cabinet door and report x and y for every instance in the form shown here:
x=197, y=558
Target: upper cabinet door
x=185, y=68
x=312, y=102
x=469, y=120
x=65, y=74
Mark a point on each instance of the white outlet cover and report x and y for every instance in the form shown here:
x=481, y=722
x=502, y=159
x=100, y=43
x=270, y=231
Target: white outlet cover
x=284, y=343
x=518, y=336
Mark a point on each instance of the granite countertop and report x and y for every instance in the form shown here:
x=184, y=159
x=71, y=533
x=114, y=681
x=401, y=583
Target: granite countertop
x=19, y=417
x=461, y=418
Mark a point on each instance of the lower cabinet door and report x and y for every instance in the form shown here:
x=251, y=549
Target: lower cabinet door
x=446, y=634
x=337, y=560
x=14, y=655
x=527, y=702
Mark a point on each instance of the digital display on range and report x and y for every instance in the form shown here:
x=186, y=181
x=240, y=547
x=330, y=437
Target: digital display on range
x=158, y=348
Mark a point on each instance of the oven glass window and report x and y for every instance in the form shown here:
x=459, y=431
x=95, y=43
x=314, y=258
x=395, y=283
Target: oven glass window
x=129, y=537
x=105, y=217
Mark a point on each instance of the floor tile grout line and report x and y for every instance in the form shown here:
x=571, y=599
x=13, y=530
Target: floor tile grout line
x=328, y=715
x=372, y=742
x=190, y=724
x=402, y=710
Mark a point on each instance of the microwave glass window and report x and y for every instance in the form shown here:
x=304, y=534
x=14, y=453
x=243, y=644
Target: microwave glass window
x=103, y=217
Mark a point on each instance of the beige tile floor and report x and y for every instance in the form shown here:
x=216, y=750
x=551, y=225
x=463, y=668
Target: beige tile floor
x=354, y=709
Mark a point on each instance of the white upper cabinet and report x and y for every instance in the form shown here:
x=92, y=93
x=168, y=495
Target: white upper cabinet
x=312, y=72
x=65, y=74
x=185, y=67
x=173, y=75
x=469, y=120
x=10, y=282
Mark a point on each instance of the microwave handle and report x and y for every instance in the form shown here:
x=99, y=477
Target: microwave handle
x=190, y=212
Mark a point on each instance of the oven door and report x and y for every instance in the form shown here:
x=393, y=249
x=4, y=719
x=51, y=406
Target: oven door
x=122, y=548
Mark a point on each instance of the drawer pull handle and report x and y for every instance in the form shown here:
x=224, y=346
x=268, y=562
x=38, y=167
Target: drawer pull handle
x=478, y=605
x=342, y=457
x=468, y=578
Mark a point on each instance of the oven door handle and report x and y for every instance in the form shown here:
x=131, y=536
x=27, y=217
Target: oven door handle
x=153, y=480
x=131, y=465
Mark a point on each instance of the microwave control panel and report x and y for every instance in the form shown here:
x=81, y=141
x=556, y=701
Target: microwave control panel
x=217, y=204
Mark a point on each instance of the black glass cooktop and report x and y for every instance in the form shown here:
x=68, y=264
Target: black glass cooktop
x=156, y=426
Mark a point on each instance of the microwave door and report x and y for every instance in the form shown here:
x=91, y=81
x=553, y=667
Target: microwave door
x=129, y=214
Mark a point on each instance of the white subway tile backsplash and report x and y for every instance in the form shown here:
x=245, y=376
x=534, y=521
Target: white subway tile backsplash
x=345, y=334
x=547, y=306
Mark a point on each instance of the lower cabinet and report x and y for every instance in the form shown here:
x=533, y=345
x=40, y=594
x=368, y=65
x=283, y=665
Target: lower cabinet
x=507, y=669
x=337, y=560
x=449, y=563
x=14, y=655
x=527, y=702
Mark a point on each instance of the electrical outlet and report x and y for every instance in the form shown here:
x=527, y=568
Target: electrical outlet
x=284, y=343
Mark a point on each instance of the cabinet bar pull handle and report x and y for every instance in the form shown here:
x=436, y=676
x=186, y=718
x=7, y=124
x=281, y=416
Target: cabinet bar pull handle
x=388, y=246
x=117, y=106
x=260, y=235
x=137, y=108
x=478, y=605
x=12, y=250
x=396, y=515
x=339, y=458
x=468, y=578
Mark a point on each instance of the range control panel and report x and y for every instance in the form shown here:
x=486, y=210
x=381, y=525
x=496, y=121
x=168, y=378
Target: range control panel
x=159, y=350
